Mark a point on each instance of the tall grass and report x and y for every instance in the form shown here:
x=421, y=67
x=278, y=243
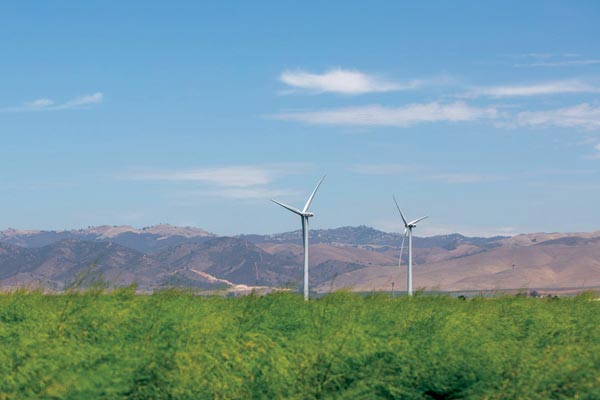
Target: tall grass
x=174, y=345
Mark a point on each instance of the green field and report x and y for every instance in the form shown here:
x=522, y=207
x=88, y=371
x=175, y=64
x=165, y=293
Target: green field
x=175, y=345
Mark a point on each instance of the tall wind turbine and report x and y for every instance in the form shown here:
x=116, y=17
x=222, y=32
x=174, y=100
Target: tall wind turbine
x=408, y=227
x=304, y=215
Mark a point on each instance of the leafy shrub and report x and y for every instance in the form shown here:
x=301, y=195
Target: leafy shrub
x=176, y=345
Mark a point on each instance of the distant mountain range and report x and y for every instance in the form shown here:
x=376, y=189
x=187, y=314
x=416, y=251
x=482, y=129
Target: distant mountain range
x=149, y=239
x=357, y=258
x=367, y=236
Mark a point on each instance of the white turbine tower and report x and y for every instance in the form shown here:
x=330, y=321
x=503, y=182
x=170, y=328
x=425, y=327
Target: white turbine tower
x=304, y=215
x=408, y=227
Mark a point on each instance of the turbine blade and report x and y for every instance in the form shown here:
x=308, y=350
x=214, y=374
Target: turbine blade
x=402, y=247
x=417, y=220
x=310, y=199
x=403, y=219
x=292, y=209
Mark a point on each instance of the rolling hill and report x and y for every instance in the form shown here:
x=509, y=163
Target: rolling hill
x=148, y=239
x=358, y=258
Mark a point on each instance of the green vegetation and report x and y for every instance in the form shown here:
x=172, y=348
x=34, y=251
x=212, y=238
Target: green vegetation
x=174, y=345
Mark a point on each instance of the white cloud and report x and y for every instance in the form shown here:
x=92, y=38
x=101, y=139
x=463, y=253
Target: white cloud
x=39, y=103
x=229, y=176
x=564, y=63
x=580, y=116
x=82, y=101
x=538, y=55
x=555, y=172
x=383, y=169
x=377, y=115
x=555, y=60
x=251, y=193
x=463, y=178
x=423, y=173
x=596, y=154
x=342, y=81
x=44, y=104
x=191, y=197
x=548, y=88
x=243, y=182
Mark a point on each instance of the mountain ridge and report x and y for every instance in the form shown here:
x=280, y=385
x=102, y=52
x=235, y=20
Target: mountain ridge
x=358, y=258
x=151, y=238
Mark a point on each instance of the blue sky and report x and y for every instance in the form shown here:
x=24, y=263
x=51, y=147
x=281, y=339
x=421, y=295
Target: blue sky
x=483, y=115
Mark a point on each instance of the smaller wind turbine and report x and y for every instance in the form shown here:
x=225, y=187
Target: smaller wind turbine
x=408, y=227
x=305, y=215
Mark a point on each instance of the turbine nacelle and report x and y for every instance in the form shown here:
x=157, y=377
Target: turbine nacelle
x=304, y=212
x=413, y=224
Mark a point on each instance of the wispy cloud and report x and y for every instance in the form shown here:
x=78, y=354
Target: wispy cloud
x=424, y=173
x=39, y=104
x=563, y=63
x=383, y=169
x=342, y=81
x=584, y=115
x=235, y=182
x=548, y=88
x=555, y=60
x=45, y=104
x=555, y=172
x=82, y=101
x=597, y=148
x=537, y=55
x=251, y=193
x=231, y=176
x=464, y=178
x=377, y=115
x=596, y=154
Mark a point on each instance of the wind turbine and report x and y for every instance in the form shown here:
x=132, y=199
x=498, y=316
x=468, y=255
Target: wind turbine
x=304, y=215
x=408, y=227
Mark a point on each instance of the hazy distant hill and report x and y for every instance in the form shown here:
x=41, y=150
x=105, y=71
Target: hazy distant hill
x=561, y=262
x=359, y=258
x=234, y=260
x=149, y=239
x=56, y=265
x=60, y=264
x=364, y=236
